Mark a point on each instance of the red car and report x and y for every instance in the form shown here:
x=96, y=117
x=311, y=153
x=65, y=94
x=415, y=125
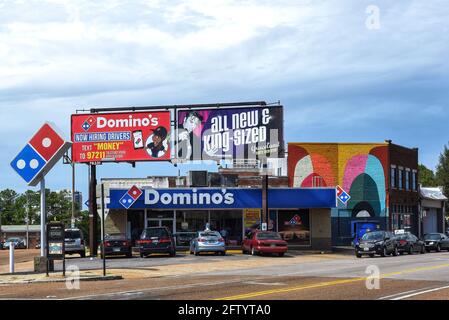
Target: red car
x=260, y=242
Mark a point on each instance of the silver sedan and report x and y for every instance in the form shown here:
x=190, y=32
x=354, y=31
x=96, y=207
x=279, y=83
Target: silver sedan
x=208, y=241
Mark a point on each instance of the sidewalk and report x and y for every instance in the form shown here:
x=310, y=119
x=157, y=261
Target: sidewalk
x=29, y=277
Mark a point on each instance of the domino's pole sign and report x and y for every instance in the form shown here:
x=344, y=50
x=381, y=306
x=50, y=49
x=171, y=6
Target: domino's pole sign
x=40, y=154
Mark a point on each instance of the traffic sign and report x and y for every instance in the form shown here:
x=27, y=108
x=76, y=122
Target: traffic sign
x=40, y=154
x=342, y=195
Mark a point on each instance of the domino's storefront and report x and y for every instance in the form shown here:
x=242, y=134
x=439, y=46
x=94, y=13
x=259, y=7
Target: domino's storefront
x=301, y=216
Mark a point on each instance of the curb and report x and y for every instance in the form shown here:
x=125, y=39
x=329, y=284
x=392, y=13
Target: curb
x=85, y=279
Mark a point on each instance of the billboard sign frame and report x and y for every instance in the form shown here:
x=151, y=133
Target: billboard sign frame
x=229, y=133
x=122, y=137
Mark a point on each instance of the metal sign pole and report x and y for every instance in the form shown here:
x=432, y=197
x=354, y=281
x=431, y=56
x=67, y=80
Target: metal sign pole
x=103, y=225
x=43, y=220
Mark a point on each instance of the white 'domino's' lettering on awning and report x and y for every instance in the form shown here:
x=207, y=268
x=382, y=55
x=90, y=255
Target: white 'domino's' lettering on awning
x=153, y=197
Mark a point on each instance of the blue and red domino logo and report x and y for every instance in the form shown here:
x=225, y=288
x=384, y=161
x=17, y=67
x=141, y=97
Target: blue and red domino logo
x=88, y=123
x=130, y=197
x=342, y=195
x=37, y=153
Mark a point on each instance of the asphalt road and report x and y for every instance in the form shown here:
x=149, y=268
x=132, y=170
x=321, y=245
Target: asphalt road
x=335, y=277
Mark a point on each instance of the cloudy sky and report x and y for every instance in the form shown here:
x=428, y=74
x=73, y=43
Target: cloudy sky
x=341, y=74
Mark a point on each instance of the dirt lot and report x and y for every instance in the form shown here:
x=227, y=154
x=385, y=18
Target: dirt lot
x=24, y=259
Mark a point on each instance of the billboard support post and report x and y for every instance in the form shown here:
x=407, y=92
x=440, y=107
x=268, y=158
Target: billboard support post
x=103, y=226
x=43, y=220
x=265, y=215
x=93, y=219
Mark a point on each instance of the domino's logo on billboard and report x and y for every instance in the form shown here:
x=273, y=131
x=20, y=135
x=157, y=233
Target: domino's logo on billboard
x=342, y=195
x=88, y=124
x=130, y=197
x=40, y=154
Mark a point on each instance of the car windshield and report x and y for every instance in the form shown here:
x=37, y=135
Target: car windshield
x=209, y=234
x=155, y=233
x=268, y=236
x=402, y=237
x=373, y=236
x=115, y=236
x=432, y=237
x=72, y=234
x=13, y=240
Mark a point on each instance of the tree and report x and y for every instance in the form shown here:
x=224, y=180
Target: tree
x=426, y=177
x=442, y=173
x=16, y=207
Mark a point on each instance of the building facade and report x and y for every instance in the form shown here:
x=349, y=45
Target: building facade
x=381, y=179
x=229, y=200
x=432, y=210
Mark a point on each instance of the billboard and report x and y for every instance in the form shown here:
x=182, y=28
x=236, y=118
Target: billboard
x=230, y=133
x=121, y=137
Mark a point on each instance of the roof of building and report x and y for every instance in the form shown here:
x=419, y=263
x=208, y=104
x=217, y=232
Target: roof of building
x=433, y=193
x=20, y=228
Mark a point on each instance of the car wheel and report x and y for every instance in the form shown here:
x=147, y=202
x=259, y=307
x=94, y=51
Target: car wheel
x=438, y=248
x=129, y=255
x=253, y=252
x=371, y=255
x=384, y=252
x=401, y=253
x=83, y=254
x=142, y=255
x=358, y=255
x=281, y=254
x=395, y=252
x=411, y=250
x=223, y=253
x=173, y=253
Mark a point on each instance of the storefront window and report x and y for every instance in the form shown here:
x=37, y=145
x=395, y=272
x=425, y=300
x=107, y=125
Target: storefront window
x=294, y=226
x=229, y=224
x=191, y=221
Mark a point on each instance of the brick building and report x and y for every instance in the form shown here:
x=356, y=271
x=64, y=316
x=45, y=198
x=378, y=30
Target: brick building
x=381, y=179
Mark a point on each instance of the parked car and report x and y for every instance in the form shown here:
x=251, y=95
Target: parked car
x=264, y=242
x=183, y=239
x=436, y=242
x=409, y=243
x=74, y=242
x=117, y=245
x=19, y=243
x=377, y=242
x=208, y=241
x=156, y=240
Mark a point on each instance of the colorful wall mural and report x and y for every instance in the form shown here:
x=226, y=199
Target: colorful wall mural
x=361, y=169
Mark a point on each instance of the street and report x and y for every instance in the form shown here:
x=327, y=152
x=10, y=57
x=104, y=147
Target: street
x=241, y=277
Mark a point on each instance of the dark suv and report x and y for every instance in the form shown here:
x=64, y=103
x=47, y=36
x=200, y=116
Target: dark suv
x=377, y=242
x=156, y=240
x=436, y=241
